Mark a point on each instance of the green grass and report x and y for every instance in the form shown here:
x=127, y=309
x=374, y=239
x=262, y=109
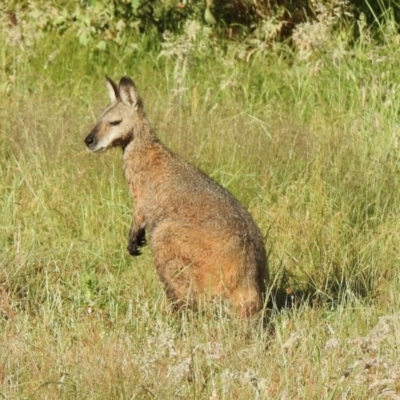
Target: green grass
x=313, y=156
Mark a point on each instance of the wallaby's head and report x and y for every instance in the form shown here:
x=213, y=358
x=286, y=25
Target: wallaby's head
x=119, y=122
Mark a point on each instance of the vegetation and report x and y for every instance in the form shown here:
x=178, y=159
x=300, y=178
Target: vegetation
x=304, y=132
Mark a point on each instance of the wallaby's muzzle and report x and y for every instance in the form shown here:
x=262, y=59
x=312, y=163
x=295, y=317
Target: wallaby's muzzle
x=92, y=142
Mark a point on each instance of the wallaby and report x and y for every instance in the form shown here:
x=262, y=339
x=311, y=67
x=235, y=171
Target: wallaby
x=204, y=243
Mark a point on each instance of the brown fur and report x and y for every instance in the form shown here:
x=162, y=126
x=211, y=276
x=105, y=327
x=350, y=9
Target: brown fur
x=204, y=243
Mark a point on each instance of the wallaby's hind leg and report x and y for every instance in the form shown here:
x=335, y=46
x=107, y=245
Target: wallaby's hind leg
x=191, y=267
x=178, y=281
x=247, y=301
x=183, y=289
x=169, y=245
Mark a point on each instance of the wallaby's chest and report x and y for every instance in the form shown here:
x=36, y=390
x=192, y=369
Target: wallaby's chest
x=146, y=173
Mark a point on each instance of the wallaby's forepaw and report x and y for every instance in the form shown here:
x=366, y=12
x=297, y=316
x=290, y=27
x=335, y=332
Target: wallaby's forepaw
x=134, y=249
x=141, y=238
x=134, y=245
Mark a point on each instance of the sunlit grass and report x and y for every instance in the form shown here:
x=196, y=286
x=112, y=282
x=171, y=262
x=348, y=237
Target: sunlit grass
x=314, y=157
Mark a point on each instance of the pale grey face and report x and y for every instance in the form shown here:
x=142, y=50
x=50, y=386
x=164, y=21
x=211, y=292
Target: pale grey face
x=116, y=123
x=112, y=129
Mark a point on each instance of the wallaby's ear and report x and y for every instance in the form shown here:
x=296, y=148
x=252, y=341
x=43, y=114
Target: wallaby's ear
x=128, y=92
x=112, y=89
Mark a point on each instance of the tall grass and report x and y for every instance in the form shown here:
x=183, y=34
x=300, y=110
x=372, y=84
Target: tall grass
x=309, y=147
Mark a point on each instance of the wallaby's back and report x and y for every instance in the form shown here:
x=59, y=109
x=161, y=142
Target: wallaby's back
x=205, y=244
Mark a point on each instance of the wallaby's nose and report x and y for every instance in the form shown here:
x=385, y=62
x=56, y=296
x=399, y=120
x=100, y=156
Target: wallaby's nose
x=89, y=140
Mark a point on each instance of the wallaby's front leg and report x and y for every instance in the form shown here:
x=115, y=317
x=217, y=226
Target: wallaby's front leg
x=137, y=237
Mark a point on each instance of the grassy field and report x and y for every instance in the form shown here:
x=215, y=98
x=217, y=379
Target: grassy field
x=311, y=148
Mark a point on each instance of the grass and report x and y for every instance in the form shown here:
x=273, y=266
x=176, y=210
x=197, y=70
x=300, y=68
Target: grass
x=314, y=157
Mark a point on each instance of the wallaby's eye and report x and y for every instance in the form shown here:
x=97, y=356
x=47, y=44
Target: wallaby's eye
x=115, y=123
